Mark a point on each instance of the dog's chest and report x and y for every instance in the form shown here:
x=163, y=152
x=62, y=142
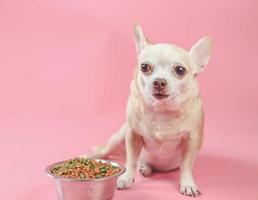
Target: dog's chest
x=161, y=128
x=161, y=134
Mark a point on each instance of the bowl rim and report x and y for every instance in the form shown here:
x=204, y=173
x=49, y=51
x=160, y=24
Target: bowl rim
x=49, y=173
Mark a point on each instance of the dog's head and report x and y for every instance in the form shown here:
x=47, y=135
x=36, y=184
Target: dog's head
x=167, y=73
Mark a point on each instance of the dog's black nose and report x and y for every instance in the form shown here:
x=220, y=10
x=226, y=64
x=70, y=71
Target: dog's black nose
x=159, y=84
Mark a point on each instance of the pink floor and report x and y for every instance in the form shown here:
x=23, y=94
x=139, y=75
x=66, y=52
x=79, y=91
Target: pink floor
x=226, y=168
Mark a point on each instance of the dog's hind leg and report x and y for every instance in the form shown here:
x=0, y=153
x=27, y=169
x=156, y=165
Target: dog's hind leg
x=113, y=146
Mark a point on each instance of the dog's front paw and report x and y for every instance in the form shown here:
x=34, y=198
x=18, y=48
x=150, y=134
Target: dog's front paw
x=189, y=189
x=124, y=182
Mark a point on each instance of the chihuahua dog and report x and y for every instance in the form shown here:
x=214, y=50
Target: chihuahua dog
x=164, y=118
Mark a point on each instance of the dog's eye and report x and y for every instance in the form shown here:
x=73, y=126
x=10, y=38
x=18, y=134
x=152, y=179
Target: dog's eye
x=180, y=71
x=145, y=67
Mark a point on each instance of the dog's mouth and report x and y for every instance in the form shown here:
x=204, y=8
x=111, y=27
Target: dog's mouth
x=160, y=96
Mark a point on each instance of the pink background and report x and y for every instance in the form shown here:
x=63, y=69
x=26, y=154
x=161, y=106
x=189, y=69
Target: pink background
x=65, y=68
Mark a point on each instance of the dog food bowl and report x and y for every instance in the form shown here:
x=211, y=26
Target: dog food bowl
x=85, y=189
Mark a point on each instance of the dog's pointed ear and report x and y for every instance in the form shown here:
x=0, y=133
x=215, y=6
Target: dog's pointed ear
x=140, y=40
x=200, y=54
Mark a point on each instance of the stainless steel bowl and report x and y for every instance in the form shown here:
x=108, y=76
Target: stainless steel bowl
x=87, y=189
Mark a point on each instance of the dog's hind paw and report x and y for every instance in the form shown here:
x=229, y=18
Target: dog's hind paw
x=145, y=169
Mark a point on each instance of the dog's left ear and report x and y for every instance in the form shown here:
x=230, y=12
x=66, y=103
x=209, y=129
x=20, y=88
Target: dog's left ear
x=200, y=54
x=140, y=40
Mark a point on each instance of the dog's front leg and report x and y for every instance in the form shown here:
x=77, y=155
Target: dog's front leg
x=133, y=144
x=191, y=145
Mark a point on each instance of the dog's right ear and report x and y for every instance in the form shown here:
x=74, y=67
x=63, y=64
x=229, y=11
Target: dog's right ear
x=140, y=40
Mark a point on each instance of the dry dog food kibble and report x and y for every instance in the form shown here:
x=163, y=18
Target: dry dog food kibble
x=81, y=168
